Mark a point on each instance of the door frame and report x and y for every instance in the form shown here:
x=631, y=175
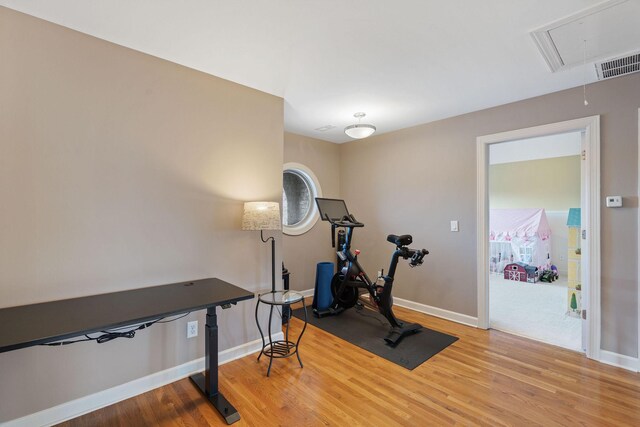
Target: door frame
x=590, y=215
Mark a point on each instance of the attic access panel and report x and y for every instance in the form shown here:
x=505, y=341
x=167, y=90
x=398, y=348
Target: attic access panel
x=610, y=29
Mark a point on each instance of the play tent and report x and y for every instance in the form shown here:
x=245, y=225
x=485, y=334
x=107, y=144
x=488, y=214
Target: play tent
x=519, y=235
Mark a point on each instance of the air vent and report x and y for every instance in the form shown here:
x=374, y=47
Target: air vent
x=325, y=128
x=618, y=66
x=600, y=32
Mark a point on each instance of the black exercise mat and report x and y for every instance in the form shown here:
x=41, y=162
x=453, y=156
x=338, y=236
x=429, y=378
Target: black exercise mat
x=367, y=329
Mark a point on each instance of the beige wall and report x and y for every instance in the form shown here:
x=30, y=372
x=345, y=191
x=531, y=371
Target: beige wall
x=416, y=180
x=302, y=253
x=119, y=170
x=552, y=184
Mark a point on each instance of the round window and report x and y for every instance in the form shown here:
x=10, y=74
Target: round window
x=300, y=188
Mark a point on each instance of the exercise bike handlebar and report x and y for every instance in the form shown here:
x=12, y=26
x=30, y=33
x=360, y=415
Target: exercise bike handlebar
x=415, y=256
x=418, y=257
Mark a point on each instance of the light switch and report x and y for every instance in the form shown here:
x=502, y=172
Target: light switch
x=614, y=201
x=454, y=226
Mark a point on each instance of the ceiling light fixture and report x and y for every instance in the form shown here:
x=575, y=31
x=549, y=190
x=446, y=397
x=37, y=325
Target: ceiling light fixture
x=359, y=130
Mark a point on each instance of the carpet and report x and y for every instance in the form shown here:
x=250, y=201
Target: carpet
x=367, y=329
x=534, y=310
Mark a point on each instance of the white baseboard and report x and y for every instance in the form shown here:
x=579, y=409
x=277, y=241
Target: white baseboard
x=437, y=312
x=307, y=292
x=607, y=357
x=427, y=309
x=619, y=360
x=86, y=404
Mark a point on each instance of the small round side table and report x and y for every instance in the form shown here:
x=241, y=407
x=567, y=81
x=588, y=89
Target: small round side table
x=280, y=348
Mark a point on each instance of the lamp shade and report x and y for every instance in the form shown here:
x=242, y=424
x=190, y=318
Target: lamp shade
x=261, y=216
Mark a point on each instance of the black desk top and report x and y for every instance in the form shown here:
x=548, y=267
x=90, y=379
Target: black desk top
x=34, y=324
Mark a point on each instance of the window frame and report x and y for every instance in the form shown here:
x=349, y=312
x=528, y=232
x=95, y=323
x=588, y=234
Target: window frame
x=311, y=180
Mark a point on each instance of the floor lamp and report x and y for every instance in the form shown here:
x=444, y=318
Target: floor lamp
x=264, y=216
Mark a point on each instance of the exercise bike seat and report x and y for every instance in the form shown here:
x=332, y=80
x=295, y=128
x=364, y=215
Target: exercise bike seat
x=400, y=241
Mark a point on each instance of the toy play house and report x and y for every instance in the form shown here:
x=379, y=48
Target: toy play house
x=519, y=236
x=521, y=272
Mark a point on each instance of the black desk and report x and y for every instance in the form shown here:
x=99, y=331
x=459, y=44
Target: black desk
x=58, y=320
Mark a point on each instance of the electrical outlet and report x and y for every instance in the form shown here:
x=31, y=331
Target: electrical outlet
x=192, y=329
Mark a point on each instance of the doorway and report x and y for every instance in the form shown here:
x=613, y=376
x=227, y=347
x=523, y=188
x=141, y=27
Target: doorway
x=589, y=219
x=534, y=250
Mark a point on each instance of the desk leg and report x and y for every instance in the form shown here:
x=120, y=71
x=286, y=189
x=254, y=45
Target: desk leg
x=208, y=383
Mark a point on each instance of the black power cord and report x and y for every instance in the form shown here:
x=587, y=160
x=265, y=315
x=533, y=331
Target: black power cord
x=112, y=334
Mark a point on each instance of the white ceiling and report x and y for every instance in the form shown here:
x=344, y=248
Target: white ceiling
x=543, y=147
x=604, y=31
x=609, y=35
x=403, y=62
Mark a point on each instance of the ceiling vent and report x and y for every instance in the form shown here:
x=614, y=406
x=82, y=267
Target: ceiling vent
x=605, y=30
x=325, y=128
x=618, y=66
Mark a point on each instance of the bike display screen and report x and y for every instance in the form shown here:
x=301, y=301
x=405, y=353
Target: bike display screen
x=334, y=209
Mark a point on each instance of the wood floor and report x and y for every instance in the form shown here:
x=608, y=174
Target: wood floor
x=485, y=378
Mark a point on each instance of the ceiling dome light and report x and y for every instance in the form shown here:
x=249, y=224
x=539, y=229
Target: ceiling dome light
x=359, y=130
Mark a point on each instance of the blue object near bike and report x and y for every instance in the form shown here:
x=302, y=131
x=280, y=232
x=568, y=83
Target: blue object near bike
x=322, y=297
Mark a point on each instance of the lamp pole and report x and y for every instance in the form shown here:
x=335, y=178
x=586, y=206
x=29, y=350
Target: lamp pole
x=273, y=259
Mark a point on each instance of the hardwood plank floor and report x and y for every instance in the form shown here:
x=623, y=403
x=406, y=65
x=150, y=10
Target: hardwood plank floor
x=485, y=378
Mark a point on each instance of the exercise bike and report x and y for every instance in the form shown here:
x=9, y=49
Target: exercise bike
x=350, y=279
